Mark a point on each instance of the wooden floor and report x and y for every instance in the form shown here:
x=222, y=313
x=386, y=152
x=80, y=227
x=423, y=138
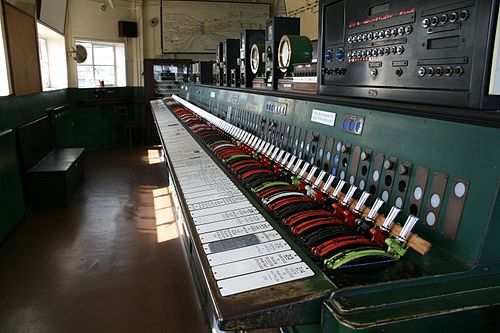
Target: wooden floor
x=111, y=262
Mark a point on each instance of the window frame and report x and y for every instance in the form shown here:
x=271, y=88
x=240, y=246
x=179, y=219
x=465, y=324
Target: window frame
x=54, y=67
x=6, y=88
x=45, y=85
x=93, y=64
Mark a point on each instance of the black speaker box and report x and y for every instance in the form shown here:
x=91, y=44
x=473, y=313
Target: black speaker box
x=127, y=29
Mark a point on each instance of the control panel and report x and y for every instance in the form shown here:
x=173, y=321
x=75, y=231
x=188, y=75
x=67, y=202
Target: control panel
x=247, y=40
x=276, y=27
x=230, y=53
x=305, y=77
x=411, y=51
x=201, y=72
x=217, y=66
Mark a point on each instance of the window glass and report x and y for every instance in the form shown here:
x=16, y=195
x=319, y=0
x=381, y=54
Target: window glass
x=104, y=55
x=52, y=54
x=44, y=62
x=105, y=62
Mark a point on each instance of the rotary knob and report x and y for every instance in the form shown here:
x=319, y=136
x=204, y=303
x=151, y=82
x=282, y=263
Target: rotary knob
x=402, y=169
x=365, y=155
x=388, y=165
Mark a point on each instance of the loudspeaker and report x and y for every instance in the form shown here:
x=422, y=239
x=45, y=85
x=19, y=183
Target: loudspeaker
x=127, y=29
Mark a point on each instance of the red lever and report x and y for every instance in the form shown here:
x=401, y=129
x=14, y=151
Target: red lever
x=311, y=224
x=378, y=237
x=277, y=169
x=287, y=201
x=298, y=217
x=337, y=243
x=254, y=172
x=270, y=191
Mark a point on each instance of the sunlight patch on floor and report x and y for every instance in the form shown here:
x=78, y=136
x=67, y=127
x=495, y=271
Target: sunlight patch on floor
x=154, y=156
x=155, y=212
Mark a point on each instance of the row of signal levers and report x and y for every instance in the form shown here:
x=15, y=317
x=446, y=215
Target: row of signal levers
x=323, y=216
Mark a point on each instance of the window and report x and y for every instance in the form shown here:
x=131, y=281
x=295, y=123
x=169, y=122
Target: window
x=105, y=62
x=44, y=62
x=52, y=53
x=4, y=75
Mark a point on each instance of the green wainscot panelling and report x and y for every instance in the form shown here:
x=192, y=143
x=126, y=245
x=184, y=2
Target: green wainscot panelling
x=64, y=125
x=94, y=126
x=12, y=208
x=302, y=329
x=17, y=110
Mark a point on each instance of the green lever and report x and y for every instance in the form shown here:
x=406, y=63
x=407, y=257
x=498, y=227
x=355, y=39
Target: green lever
x=296, y=181
x=233, y=157
x=268, y=184
x=217, y=142
x=395, y=247
x=345, y=257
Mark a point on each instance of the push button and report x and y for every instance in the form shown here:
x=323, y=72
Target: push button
x=340, y=55
x=328, y=55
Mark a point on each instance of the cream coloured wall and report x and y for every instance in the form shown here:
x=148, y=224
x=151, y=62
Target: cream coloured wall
x=307, y=11
x=86, y=20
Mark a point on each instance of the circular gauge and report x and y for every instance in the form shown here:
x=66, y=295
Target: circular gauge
x=293, y=50
x=255, y=58
x=284, y=53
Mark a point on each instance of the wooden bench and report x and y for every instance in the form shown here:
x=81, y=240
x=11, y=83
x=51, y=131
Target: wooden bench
x=50, y=175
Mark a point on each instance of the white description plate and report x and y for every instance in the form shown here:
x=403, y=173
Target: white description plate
x=263, y=279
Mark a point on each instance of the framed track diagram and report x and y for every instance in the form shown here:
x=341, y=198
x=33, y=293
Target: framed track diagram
x=196, y=27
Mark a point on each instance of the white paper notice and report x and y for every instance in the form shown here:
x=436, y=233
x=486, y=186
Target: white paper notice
x=323, y=117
